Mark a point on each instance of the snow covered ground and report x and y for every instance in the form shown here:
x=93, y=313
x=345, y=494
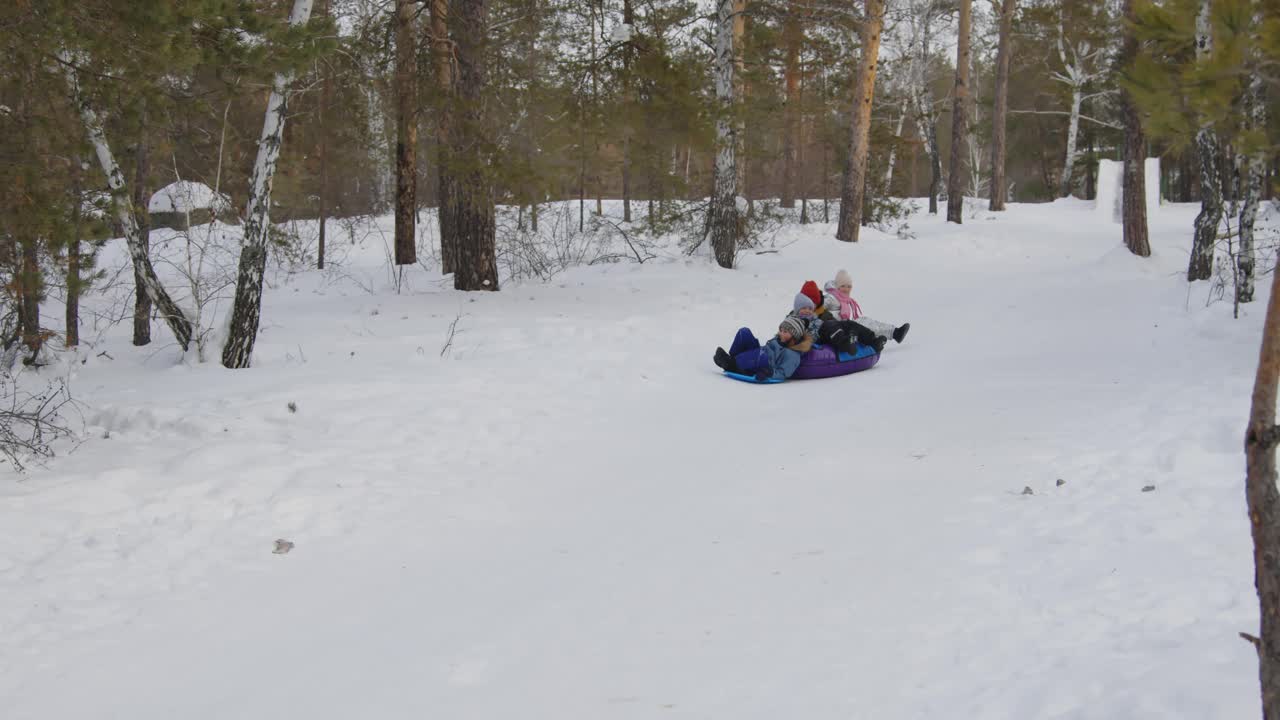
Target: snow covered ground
x=572, y=515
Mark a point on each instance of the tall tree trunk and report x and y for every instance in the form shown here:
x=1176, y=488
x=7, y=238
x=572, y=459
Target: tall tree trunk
x=935, y=164
x=793, y=38
x=1255, y=167
x=893, y=150
x=1073, y=134
x=800, y=145
x=141, y=201
x=326, y=99
x=855, y=177
x=406, y=79
x=31, y=287
x=1134, y=181
x=1263, y=502
x=125, y=215
x=1186, y=174
x=442, y=57
x=247, y=308
x=927, y=118
x=1200, y=266
x=73, y=256
x=477, y=267
x=1000, y=113
x=742, y=153
x=959, y=116
x=628, y=102
x=723, y=217
x=1090, y=171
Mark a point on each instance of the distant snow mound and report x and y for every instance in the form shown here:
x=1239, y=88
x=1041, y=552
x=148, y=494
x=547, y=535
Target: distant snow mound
x=185, y=196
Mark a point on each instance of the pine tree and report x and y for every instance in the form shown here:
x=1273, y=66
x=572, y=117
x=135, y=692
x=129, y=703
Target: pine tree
x=1134, y=186
x=472, y=214
x=999, y=113
x=406, y=75
x=855, y=179
x=959, y=118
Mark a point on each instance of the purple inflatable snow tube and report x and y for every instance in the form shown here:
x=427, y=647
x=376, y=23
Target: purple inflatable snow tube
x=823, y=362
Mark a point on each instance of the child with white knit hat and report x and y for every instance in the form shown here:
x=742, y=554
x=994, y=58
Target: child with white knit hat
x=839, y=302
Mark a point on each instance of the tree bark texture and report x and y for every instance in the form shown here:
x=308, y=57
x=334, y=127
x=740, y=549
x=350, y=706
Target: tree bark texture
x=29, y=287
x=628, y=102
x=141, y=202
x=173, y=315
x=959, y=117
x=1255, y=166
x=442, y=57
x=1000, y=112
x=793, y=37
x=247, y=308
x=406, y=79
x=1263, y=503
x=1200, y=266
x=725, y=225
x=473, y=219
x=855, y=178
x=73, y=257
x=1134, y=182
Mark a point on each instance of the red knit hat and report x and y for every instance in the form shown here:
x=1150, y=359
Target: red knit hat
x=811, y=291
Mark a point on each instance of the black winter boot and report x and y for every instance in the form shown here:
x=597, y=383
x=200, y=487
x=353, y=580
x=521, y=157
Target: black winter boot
x=900, y=332
x=878, y=345
x=725, y=361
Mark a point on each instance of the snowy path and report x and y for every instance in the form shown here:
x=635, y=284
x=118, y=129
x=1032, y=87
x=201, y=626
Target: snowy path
x=610, y=530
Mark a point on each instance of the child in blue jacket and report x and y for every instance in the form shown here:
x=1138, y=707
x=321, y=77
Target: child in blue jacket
x=777, y=360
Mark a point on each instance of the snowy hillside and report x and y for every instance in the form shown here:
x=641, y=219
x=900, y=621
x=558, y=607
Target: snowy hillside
x=569, y=513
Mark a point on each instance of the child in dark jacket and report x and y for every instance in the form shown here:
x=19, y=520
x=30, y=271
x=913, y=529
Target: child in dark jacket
x=839, y=334
x=777, y=360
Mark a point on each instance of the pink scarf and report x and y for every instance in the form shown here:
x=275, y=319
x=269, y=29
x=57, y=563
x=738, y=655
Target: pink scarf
x=849, y=309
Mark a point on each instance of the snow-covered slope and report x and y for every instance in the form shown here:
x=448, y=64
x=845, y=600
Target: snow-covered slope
x=570, y=514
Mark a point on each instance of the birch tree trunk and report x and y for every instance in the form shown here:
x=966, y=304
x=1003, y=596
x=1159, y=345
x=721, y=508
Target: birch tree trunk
x=927, y=118
x=173, y=315
x=247, y=309
x=1255, y=166
x=1073, y=135
x=477, y=264
x=1263, y=502
x=855, y=178
x=406, y=81
x=442, y=57
x=723, y=217
x=893, y=151
x=141, y=202
x=1200, y=266
x=1000, y=113
x=959, y=125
